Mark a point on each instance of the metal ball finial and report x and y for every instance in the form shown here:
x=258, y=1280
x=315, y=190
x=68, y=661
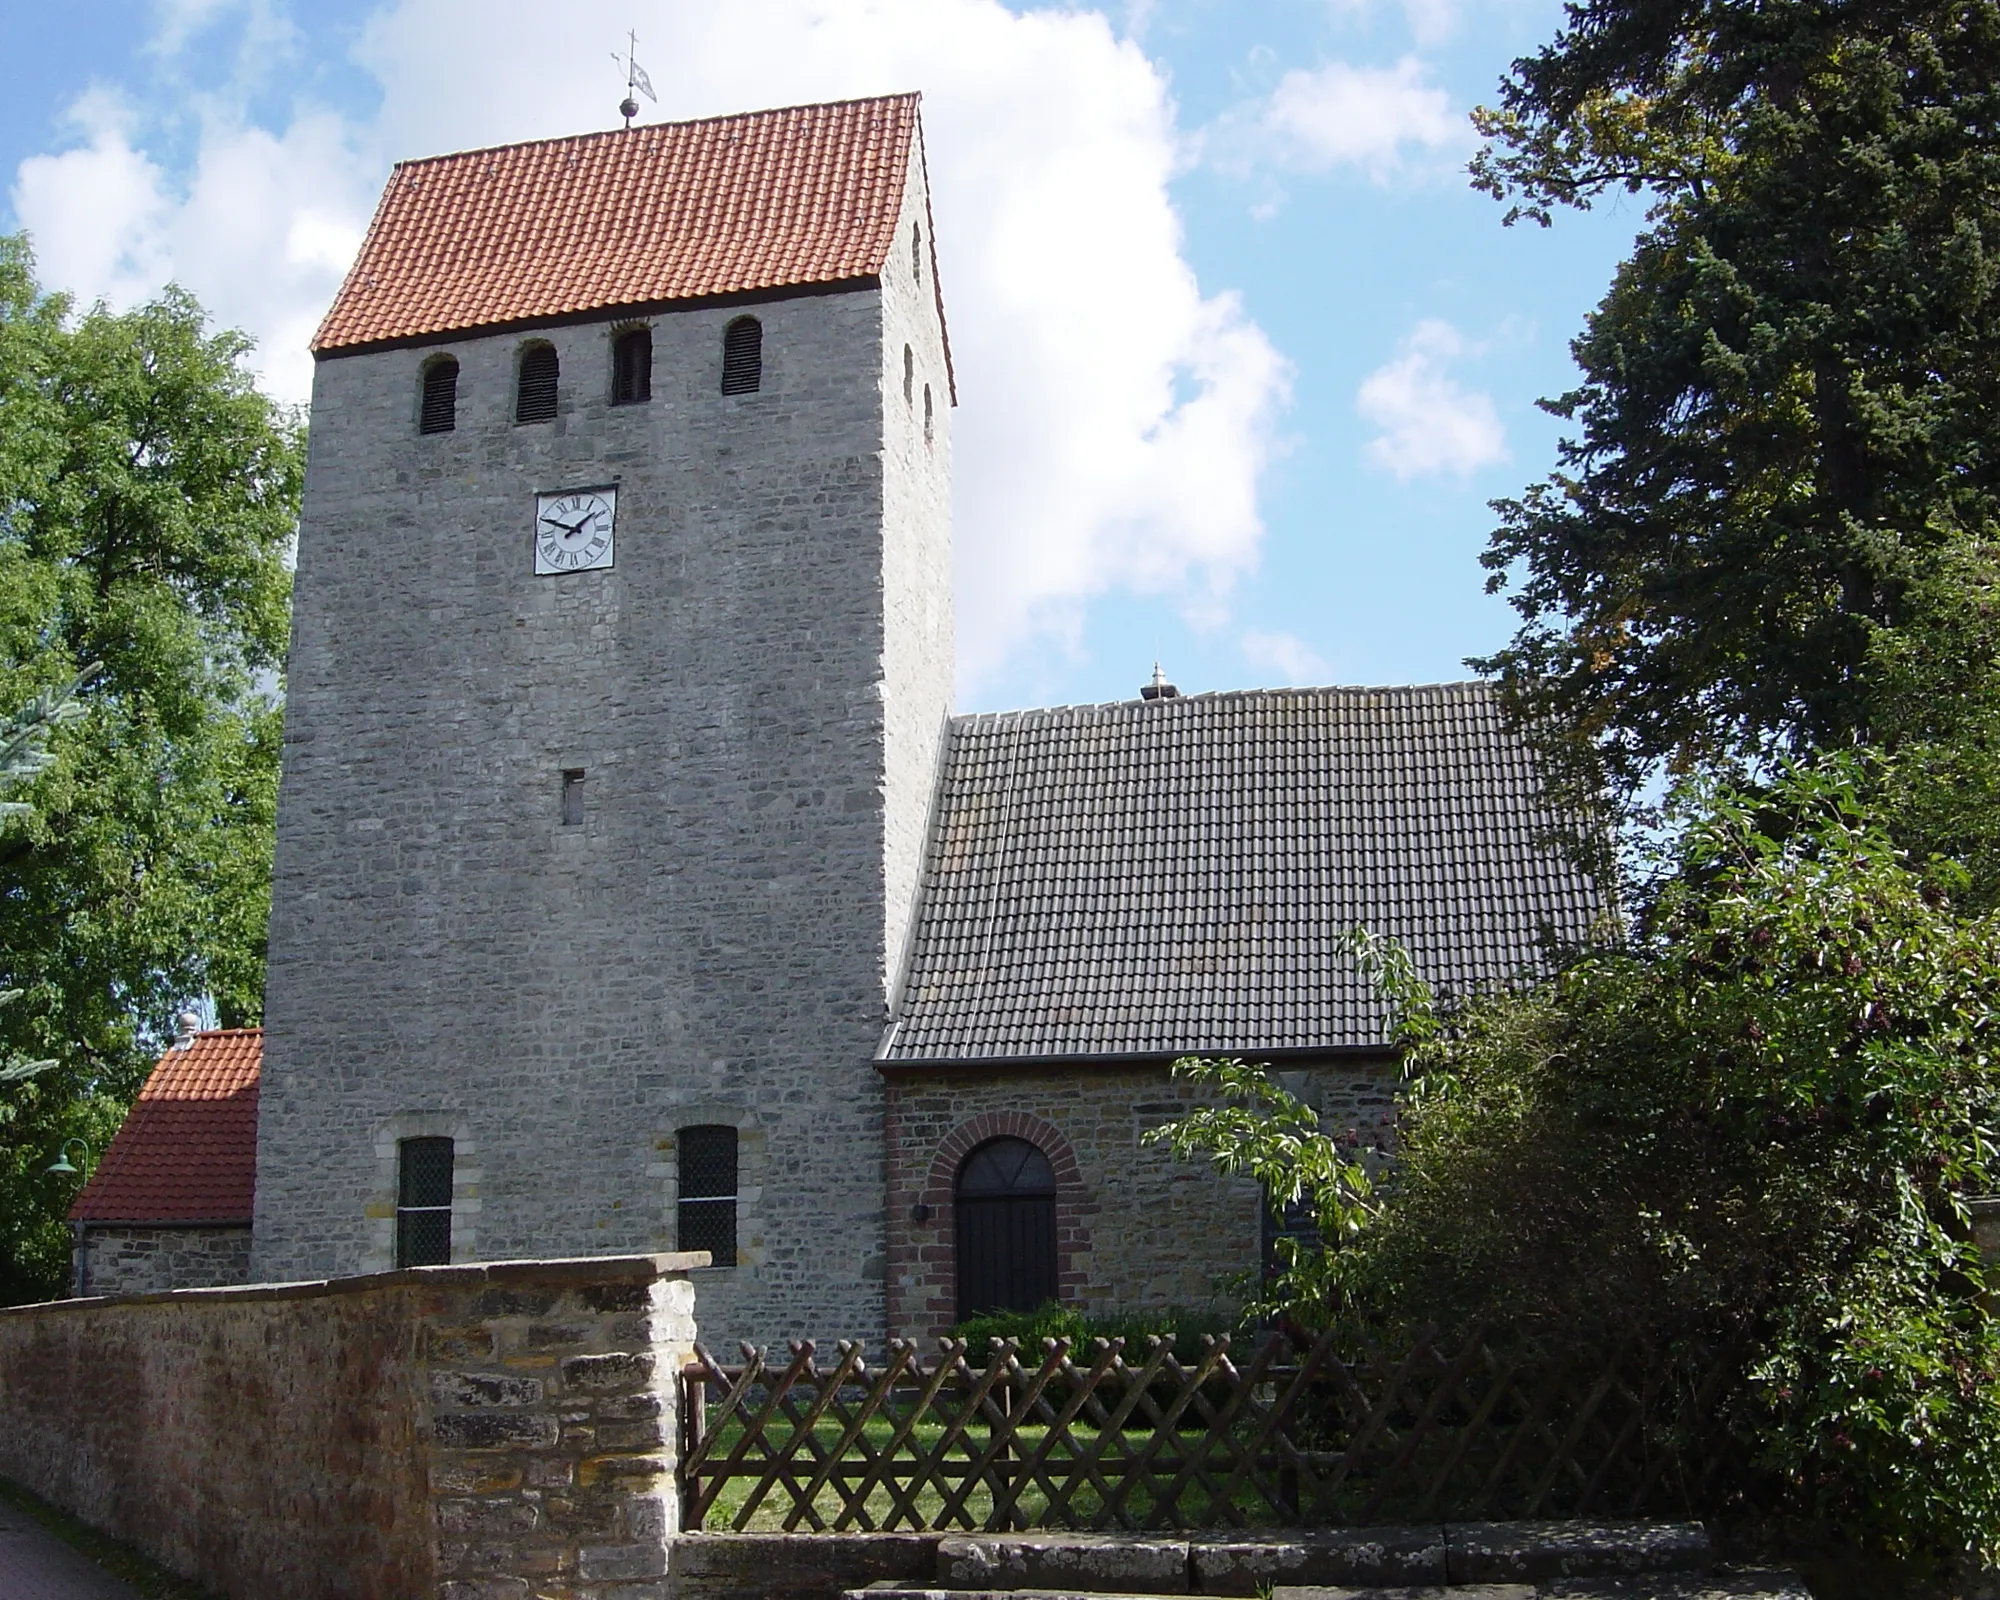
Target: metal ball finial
x=628, y=108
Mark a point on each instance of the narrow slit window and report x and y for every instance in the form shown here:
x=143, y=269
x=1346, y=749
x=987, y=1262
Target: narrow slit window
x=916, y=252
x=927, y=413
x=440, y=408
x=632, y=367
x=708, y=1191
x=572, y=797
x=743, y=356
x=423, y=1202
x=535, y=396
x=909, y=375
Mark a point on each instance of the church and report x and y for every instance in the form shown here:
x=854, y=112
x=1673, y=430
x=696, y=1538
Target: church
x=637, y=887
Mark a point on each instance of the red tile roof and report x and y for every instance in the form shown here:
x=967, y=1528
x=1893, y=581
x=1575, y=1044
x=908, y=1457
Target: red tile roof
x=642, y=216
x=188, y=1149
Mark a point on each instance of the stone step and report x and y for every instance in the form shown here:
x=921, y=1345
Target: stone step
x=1744, y=1585
x=1251, y=1563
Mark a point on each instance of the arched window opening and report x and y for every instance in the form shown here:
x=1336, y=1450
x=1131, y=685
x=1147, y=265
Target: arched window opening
x=743, y=356
x=707, y=1168
x=440, y=408
x=1005, y=1205
x=909, y=375
x=632, y=367
x=916, y=252
x=927, y=413
x=535, y=394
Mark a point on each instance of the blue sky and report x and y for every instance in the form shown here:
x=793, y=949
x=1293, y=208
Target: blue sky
x=1241, y=357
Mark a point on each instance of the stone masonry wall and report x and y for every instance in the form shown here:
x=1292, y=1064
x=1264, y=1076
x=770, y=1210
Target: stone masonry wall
x=1137, y=1230
x=128, y=1259
x=710, y=945
x=443, y=1433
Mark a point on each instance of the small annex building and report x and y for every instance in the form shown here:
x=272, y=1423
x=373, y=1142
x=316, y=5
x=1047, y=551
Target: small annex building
x=636, y=886
x=169, y=1204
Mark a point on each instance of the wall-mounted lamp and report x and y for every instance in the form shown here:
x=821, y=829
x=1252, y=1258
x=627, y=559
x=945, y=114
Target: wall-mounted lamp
x=920, y=1212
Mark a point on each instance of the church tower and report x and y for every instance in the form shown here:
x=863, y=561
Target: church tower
x=621, y=663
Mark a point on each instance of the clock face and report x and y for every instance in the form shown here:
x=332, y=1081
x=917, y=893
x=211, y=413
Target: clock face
x=573, y=531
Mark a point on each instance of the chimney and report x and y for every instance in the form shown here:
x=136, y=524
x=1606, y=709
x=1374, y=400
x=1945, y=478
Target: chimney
x=1159, y=688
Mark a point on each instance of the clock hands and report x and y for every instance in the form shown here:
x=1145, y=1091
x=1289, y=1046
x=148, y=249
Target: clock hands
x=570, y=529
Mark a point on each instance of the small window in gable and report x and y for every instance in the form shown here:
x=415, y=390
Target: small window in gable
x=440, y=408
x=916, y=252
x=535, y=396
x=423, y=1202
x=927, y=413
x=743, y=356
x=632, y=367
x=708, y=1191
x=909, y=375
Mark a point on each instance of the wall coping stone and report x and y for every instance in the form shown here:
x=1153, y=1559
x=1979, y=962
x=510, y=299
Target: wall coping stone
x=464, y=1275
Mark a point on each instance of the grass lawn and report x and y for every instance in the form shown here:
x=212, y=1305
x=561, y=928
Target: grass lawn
x=926, y=1510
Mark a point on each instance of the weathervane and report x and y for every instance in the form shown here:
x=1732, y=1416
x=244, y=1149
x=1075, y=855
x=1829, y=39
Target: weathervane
x=635, y=80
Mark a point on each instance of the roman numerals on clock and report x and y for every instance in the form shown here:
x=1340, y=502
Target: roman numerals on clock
x=574, y=530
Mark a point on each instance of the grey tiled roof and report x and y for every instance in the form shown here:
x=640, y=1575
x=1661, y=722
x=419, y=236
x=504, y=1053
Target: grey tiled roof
x=1173, y=876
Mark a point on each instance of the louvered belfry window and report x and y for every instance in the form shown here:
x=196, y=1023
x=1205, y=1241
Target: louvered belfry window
x=423, y=1202
x=632, y=367
x=1006, y=1229
x=743, y=356
x=535, y=400
x=708, y=1191
x=440, y=412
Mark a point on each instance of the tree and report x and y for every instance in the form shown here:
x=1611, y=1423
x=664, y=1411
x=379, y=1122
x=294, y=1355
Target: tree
x=1778, y=526
x=1758, y=1119
x=148, y=497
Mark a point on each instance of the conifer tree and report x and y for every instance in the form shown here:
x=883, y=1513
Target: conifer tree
x=1777, y=525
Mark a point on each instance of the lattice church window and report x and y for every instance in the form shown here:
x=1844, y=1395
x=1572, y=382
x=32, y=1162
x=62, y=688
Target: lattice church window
x=1006, y=1229
x=535, y=397
x=743, y=356
x=423, y=1202
x=708, y=1191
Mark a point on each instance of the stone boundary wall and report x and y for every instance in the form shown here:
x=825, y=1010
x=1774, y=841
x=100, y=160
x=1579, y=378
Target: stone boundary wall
x=487, y=1432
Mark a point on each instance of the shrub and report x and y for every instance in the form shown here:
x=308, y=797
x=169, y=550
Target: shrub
x=1756, y=1121
x=1185, y=1327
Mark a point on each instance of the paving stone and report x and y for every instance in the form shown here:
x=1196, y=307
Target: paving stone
x=36, y=1565
x=1744, y=1584
x=1477, y=1591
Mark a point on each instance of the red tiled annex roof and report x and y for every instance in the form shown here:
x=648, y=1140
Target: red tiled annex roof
x=188, y=1149
x=669, y=211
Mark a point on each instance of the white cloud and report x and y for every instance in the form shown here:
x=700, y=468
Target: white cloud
x=1286, y=654
x=1114, y=419
x=1340, y=115
x=1429, y=423
x=260, y=230
x=96, y=211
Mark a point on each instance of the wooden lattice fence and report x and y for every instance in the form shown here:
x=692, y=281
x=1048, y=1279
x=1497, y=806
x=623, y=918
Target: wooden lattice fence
x=1330, y=1431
